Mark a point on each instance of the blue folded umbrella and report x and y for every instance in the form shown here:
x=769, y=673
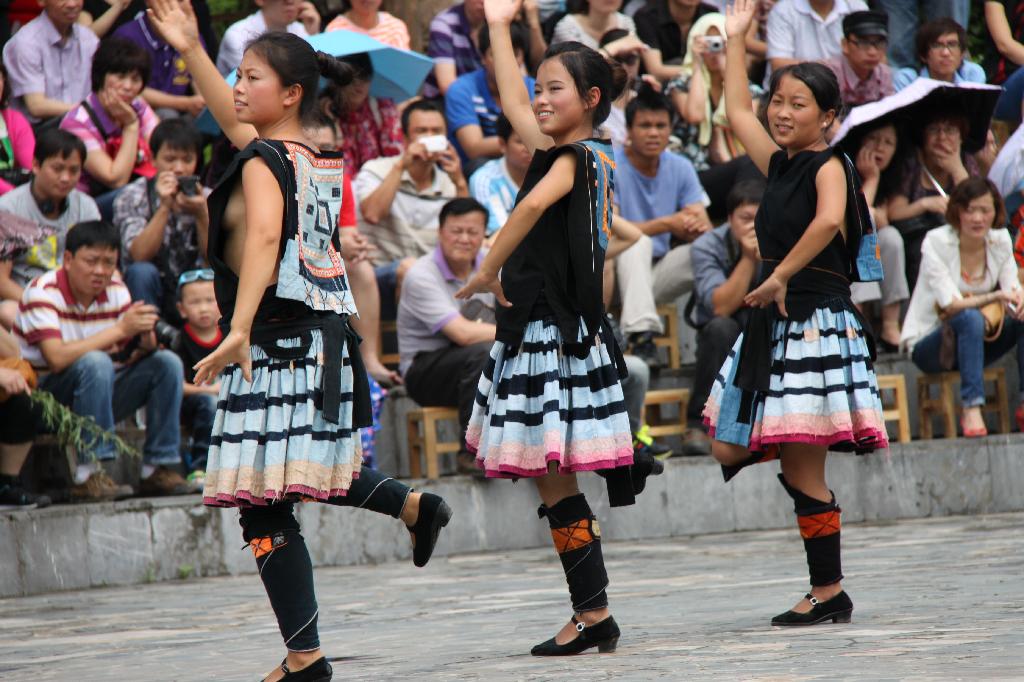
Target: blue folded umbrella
x=397, y=74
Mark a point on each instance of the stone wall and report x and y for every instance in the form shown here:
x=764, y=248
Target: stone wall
x=138, y=541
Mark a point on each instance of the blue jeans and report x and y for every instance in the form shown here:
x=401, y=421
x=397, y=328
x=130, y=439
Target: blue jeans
x=92, y=387
x=105, y=203
x=973, y=353
x=1008, y=108
x=145, y=282
x=198, y=411
x=387, y=285
x=906, y=15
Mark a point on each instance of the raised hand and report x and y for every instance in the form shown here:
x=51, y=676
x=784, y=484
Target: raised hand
x=867, y=165
x=738, y=17
x=176, y=22
x=502, y=11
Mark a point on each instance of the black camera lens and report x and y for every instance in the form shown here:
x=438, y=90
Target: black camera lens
x=167, y=335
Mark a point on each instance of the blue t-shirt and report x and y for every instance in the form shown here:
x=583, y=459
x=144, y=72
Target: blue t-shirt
x=493, y=187
x=641, y=198
x=469, y=102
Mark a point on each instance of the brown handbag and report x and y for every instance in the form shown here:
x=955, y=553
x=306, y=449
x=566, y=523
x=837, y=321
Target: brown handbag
x=994, y=314
x=22, y=367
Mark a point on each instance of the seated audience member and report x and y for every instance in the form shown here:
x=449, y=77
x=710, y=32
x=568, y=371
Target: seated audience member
x=444, y=344
x=47, y=60
x=356, y=250
x=51, y=200
x=114, y=122
x=967, y=266
x=1005, y=22
x=659, y=192
x=98, y=16
x=369, y=127
x=169, y=88
x=471, y=106
x=18, y=418
x=665, y=25
x=725, y=266
x=400, y=197
x=294, y=16
x=163, y=221
x=880, y=158
x=614, y=126
x=800, y=31
x=935, y=165
x=200, y=336
x=452, y=45
x=17, y=141
x=496, y=183
x=69, y=320
x=699, y=97
x=588, y=20
x=941, y=44
x=905, y=18
x=861, y=70
x=365, y=16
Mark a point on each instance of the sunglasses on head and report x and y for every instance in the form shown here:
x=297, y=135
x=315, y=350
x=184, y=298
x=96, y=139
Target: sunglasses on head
x=189, y=276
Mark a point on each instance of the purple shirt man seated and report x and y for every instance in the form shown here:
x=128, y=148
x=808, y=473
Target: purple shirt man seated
x=862, y=74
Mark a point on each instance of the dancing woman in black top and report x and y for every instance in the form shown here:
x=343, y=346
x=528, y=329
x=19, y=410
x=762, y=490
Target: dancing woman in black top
x=799, y=381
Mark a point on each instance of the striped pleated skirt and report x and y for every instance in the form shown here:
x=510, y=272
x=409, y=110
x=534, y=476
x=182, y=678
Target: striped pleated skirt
x=536, y=404
x=822, y=391
x=270, y=439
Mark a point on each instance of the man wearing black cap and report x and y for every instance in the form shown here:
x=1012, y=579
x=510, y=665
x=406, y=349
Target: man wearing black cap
x=863, y=75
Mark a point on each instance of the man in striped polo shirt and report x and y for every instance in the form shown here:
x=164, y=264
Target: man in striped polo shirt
x=95, y=352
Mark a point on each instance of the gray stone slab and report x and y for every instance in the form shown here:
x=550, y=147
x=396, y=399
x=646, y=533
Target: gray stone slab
x=11, y=575
x=53, y=551
x=934, y=599
x=120, y=549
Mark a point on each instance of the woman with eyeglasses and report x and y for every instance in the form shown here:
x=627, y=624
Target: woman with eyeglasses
x=935, y=165
x=941, y=46
x=698, y=94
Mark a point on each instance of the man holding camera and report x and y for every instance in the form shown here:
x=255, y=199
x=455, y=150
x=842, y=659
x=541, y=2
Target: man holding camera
x=400, y=197
x=95, y=351
x=164, y=221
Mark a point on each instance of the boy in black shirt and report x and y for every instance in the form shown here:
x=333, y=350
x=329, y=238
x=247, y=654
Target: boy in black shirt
x=197, y=306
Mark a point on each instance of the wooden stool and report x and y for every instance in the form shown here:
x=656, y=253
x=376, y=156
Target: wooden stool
x=670, y=339
x=669, y=396
x=897, y=410
x=388, y=339
x=428, y=444
x=945, y=404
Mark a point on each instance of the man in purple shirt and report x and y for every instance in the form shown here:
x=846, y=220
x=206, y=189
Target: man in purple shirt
x=169, y=88
x=862, y=74
x=48, y=61
x=452, y=45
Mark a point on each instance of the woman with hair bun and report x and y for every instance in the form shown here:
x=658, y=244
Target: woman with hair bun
x=799, y=381
x=549, y=403
x=293, y=387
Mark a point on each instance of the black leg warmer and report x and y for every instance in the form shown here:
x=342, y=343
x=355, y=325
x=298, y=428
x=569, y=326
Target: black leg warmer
x=819, y=527
x=577, y=539
x=286, y=570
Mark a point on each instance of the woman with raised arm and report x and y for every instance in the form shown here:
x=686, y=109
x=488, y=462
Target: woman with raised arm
x=293, y=388
x=549, y=403
x=799, y=381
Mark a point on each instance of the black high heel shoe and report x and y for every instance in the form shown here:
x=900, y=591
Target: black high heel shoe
x=838, y=609
x=434, y=515
x=603, y=635
x=318, y=671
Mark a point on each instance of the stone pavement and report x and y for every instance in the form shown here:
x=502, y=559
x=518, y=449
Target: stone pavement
x=935, y=598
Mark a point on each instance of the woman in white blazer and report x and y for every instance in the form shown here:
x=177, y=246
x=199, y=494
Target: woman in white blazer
x=965, y=266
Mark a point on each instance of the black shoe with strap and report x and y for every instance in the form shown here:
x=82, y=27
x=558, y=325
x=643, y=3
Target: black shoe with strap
x=317, y=671
x=15, y=498
x=838, y=609
x=603, y=635
x=434, y=515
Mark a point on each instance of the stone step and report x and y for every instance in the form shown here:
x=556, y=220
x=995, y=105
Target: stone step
x=138, y=541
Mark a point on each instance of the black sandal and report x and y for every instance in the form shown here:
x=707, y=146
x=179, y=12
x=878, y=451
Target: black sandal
x=603, y=635
x=434, y=515
x=838, y=609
